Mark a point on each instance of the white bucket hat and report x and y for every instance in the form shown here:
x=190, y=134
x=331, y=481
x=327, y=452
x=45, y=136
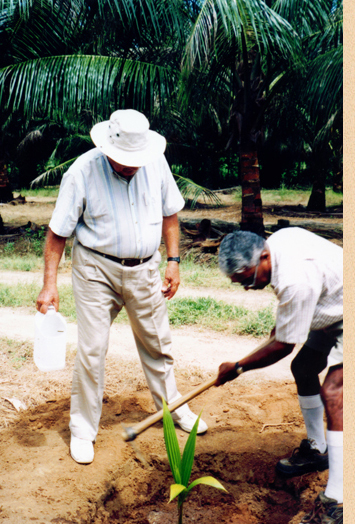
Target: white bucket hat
x=127, y=139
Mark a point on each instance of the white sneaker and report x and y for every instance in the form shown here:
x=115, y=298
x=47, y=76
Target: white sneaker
x=81, y=450
x=187, y=421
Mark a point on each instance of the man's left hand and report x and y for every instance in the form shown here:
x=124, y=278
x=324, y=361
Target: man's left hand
x=171, y=281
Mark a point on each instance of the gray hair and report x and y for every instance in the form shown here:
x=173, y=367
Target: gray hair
x=240, y=250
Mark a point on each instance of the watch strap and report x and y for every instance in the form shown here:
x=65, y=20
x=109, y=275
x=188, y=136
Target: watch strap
x=174, y=259
x=238, y=369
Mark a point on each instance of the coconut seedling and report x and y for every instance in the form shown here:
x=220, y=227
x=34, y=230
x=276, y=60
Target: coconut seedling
x=181, y=467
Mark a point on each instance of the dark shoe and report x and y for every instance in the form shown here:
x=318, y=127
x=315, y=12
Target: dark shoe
x=325, y=511
x=303, y=460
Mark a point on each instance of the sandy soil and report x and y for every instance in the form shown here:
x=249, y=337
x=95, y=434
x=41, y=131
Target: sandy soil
x=253, y=422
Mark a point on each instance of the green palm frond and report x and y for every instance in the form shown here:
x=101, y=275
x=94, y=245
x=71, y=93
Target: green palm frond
x=192, y=191
x=260, y=25
x=306, y=17
x=60, y=85
x=324, y=82
x=326, y=132
x=53, y=176
x=158, y=13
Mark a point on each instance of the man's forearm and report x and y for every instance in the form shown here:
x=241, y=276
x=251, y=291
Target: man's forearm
x=52, y=254
x=171, y=239
x=171, y=235
x=266, y=356
x=263, y=357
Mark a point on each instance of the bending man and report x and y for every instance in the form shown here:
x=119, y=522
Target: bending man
x=306, y=273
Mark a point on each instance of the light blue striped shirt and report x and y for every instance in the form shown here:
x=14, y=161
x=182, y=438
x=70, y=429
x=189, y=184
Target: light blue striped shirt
x=109, y=214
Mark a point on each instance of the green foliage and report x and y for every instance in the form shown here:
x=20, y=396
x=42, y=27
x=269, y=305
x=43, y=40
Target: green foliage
x=9, y=248
x=257, y=324
x=209, y=75
x=18, y=295
x=181, y=468
x=41, y=192
x=37, y=239
x=17, y=352
x=192, y=191
x=14, y=262
x=293, y=196
x=67, y=302
x=220, y=316
x=205, y=312
x=25, y=295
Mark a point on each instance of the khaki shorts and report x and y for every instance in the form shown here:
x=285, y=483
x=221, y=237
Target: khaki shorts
x=329, y=341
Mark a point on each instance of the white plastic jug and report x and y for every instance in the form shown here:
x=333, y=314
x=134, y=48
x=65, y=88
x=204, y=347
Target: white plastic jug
x=50, y=340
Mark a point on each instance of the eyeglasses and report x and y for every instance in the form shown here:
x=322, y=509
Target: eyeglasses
x=249, y=283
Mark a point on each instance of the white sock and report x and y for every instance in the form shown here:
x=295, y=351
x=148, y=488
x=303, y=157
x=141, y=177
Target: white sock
x=313, y=410
x=334, y=489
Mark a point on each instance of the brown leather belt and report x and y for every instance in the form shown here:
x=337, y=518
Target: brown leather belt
x=130, y=262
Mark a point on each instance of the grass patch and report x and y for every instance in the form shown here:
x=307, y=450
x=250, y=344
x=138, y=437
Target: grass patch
x=293, y=196
x=257, y=324
x=26, y=246
x=198, y=275
x=19, y=295
x=204, y=312
x=219, y=316
x=25, y=295
x=26, y=253
x=18, y=353
x=39, y=192
x=28, y=262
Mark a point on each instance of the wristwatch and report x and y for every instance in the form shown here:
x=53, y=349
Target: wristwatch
x=238, y=369
x=174, y=259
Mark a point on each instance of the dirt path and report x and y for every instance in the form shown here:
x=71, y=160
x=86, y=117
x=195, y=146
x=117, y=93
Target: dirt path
x=192, y=346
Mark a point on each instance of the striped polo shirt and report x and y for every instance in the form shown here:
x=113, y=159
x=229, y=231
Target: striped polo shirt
x=307, y=277
x=111, y=215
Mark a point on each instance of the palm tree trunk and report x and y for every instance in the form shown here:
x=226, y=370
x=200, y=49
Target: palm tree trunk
x=316, y=201
x=5, y=189
x=252, y=213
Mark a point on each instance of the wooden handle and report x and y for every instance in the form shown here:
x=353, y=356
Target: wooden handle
x=174, y=405
x=142, y=426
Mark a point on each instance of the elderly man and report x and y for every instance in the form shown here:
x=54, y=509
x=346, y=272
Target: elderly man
x=306, y=273
x=119, y=199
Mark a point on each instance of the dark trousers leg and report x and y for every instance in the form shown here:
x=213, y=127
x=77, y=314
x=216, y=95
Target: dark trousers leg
x=306, y=367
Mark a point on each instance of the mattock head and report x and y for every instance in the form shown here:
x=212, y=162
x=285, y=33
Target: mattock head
x=128, y=434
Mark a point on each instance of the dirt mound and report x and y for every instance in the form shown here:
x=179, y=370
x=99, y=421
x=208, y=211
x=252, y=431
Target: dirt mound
x=250, y=428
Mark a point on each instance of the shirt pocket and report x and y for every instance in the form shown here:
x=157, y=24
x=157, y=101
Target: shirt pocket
x=154, y=208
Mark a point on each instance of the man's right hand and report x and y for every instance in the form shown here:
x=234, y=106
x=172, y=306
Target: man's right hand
x=52, y=254
x=226, y=372
x=48, y=296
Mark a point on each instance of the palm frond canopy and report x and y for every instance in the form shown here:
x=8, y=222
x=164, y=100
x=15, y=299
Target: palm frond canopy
x=305, y=17
x=324, y=80
x=158, y=13
x=67, y=85
x=252, y=20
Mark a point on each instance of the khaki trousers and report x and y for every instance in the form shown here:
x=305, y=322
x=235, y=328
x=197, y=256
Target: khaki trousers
x=101, y=288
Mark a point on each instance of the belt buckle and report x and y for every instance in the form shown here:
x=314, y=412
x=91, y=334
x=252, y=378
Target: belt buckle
x=123, y=262
x=141, y=261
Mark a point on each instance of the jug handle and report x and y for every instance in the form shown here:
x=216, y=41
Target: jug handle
x=51, y=309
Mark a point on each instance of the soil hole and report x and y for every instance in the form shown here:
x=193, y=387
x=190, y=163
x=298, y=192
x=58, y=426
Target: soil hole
x=255, y=494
